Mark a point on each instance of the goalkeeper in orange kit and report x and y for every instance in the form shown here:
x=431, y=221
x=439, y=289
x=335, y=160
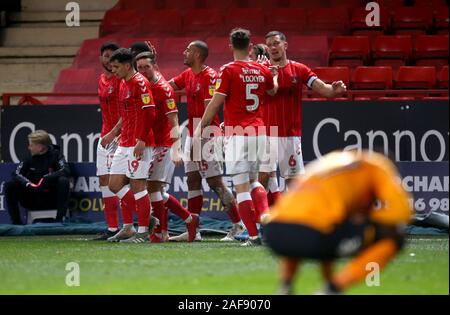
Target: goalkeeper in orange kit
x=346, y=204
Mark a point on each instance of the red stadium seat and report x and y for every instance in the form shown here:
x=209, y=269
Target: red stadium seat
x=351, y=51
x=219, y=50
x=119, y=21
x=416, y=78
x=302, y=3
x=431, y=50
x=89, y=52
x=252, y=19
x=359, y=26
x=173, y=48
x=76, y=81
x=221, y=5
x=286, y=19
x=412, y=20
x=182, y=5
x=204, y=22
x=328, y=21
x=310, y=50
x=160, y=22
x=331, y=74
x=392, y=51
x=372, y=78
x=442, y=79
x=441, y=18
x=140, y=5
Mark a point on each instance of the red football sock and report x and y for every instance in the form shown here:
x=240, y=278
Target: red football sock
x=110, y=211
x=164, y=220
x=128, y=204
x=247, y=213
x=158, y=212
x=233, y=213
x=143, y=208
x=272, y=197
x=259, y=197
x=195, y=204
x=174, y=205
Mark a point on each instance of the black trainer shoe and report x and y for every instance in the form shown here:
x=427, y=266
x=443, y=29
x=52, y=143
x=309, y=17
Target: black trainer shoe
x=105, y=235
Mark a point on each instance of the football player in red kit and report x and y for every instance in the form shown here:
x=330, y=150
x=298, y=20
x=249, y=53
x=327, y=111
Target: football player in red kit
x=132, y=159
x=242, y=87
x=108, y=93
x=199, y=81
x=167, y=151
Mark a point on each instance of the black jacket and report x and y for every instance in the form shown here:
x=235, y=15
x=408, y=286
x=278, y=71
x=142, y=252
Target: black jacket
x=50, y=165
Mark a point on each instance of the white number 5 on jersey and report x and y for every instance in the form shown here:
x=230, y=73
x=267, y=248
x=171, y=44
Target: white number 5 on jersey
x=251, y=97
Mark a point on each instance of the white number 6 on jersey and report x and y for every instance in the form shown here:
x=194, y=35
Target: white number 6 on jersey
x=251, y=97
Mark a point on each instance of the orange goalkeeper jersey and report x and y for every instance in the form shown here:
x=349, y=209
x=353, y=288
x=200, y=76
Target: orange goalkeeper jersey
x=340, y=185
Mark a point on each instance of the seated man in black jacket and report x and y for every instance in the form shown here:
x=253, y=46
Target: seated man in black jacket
x=41, y=181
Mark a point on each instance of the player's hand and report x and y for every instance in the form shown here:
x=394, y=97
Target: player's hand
x=262, y=59
x=338, y=87
x=222, y=128
x=273, y=70
x=151, y=47
x=107, y=140
x=139, y=148
x=176, y=157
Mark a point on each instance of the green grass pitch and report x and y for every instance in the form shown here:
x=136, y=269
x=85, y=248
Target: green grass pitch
x=37, y=265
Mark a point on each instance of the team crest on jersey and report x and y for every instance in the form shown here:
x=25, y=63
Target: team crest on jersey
x=145, y=98
x=110, y=89
x=218, y=82
x=170, y=103
x=212, y=89
x=294, y=80
x=198, y=87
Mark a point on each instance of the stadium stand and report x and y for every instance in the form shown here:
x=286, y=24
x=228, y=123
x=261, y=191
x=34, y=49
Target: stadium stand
x=203, y=22
x=416, y=78
x=358, y=25
x=412, y=20
x=310, y=50
x=431, y=50
x=442, y=79
x=155, y=23
x=351, y=51
x=394, y=51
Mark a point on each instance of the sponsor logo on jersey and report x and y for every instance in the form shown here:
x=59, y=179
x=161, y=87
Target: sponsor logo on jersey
x=110, y=89
x=170, y=103
x=218, y=82
x=212, y=89
x=145, y=98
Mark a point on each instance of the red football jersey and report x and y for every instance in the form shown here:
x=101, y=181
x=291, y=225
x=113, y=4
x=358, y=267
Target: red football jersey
x=164, y=98
x=199, y=87
x=284, y=109
x=245, y=84
x=108, y=93
x=135, y=95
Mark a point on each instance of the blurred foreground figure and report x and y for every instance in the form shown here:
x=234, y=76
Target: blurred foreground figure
x=346, y=204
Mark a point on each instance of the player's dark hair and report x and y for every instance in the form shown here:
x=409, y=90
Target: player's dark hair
x=138, y=47
x=202, y=48
x=240, y=38
x=261, y=50
x=146, y=55
x=122, y=55
x=109, y=46
x=276, y=33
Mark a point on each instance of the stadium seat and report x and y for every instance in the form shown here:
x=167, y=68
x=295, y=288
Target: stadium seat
x=249, y=18
x=203, y=22
x=219, y=50
x=160, y=22
x=442, y=79
x=306, y=4
x=431, y=50
x=358, y=25
x=89, y=52
x=310, y=50
x=331, y=74
x=372, y=78
x=140, y=5
x=328, y=21
x=286, y=19
x=441, y=20
x=412, y=20
x=223, y=5
x=173, y=48
x=351, y=51
x=73, y=80
x=119, y=21
x=416, y=78
x=181, y=5
x=394, y=51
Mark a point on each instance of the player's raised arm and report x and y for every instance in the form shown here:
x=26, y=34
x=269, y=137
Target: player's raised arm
x=329, y=90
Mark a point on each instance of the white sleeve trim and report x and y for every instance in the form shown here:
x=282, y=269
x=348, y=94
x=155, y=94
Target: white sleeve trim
x=145, y=106
x=311, y=81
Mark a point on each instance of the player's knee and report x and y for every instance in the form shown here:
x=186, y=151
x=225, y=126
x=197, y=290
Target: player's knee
x=194, y=181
